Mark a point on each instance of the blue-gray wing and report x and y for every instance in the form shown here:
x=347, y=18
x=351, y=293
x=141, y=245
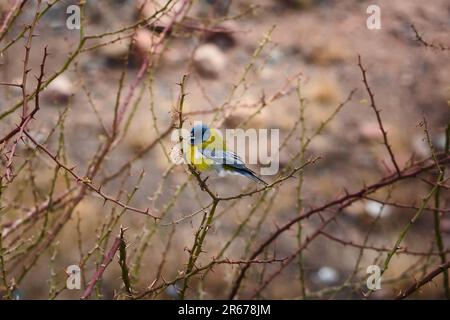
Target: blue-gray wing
x=231, y=161
x=223, y=157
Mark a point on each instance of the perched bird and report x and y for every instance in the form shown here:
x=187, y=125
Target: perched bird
x=207, y=151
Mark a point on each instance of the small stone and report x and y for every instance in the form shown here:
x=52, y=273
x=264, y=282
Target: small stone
x=149, y=8
x=172, y=291
x=143, y=40
x=369, y=130
x=439, y=142
x=223, y=35
x=375, y=209
x=115, y=52
x=220, y=7
x=209, y=60
x=323, y=90
x=268, y=73
x=297, y=4
x=326, y=275
x=140, y=134
x=17, y=294
x=445, y=226
x=59, y=90
x=276, y=56
x=329, y=53
x=421, y=147
x=356, y=209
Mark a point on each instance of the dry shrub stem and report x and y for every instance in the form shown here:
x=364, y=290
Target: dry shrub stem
x=118, y=242
x=377, y=113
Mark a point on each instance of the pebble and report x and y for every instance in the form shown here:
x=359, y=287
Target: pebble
x=209, y=60
x=115, y=52
x=144, y=40
x=373, y=209
x=370, y=130
x=59, y=90
x=223, y=36
x=326, y=275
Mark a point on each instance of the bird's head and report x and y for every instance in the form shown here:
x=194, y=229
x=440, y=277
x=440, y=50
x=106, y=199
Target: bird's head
x=199, y=134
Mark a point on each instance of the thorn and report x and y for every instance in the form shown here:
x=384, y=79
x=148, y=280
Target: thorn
x=346, y=191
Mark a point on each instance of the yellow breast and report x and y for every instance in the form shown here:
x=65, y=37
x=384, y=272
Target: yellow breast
x=196, y=159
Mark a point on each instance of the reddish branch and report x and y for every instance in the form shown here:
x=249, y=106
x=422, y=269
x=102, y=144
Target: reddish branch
x=146, y=63
x=288, y=261
x=377, y=113
x=34, y=213
x=310, y=238
x=378, y=249
x=406, y=206
x=26, y=60
x=106, y=261
x=152, y=289
x=98, y=160
x=429, y=277
x=346, y=200
x=26, y=116
x=87, y=182
x=10, y=16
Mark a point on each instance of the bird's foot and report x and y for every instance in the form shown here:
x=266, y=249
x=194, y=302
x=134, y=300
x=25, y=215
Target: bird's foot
x=203, y=184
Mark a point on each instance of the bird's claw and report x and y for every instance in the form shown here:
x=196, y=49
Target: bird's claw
x=203, y=184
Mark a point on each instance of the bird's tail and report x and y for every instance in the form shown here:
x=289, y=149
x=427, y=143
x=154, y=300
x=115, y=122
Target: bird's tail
x=251, y=175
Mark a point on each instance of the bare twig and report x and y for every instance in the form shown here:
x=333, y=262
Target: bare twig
x=425, y=43
x=377, y=113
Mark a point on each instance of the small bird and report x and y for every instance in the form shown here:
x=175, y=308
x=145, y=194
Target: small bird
x=208, y=151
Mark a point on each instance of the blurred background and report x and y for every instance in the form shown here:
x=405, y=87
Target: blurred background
x=254, y=57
